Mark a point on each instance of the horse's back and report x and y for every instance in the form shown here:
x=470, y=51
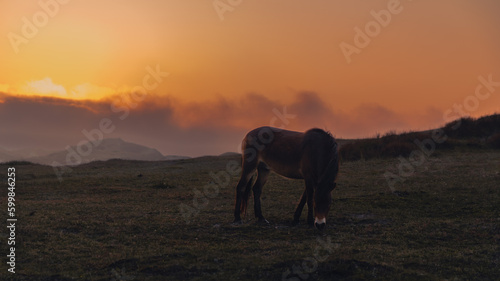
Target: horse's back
x=279, y=149
x=289, y=153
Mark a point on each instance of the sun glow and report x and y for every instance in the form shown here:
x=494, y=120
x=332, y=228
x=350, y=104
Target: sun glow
x=46, y=87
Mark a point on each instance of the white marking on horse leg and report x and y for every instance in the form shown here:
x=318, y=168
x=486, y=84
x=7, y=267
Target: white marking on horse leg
x=319, y=221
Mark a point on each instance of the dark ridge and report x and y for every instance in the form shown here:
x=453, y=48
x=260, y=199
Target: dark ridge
x=467, y=132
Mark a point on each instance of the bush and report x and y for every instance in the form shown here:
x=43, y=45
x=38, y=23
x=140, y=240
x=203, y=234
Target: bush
x=465, y=132
x=395, y=149
x=350, y=152
x=468, y=127
x=494, y=141
x=360, y=149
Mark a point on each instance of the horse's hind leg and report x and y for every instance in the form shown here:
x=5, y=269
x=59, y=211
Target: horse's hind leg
x=262, y=174
x=247, y=172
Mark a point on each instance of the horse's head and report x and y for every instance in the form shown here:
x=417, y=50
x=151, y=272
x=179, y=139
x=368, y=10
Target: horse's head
x=322, y=203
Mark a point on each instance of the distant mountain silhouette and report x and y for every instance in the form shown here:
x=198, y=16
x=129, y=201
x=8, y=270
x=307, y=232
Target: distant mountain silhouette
x=175, y=157
x=230, y=154
x=112, y=148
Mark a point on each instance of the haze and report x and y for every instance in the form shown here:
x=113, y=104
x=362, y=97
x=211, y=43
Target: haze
x=213, y=72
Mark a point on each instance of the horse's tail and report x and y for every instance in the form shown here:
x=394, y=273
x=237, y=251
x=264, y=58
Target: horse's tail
x=246, y=196
x=332, y=168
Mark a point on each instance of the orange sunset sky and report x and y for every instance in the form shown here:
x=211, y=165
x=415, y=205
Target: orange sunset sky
x=236, y=65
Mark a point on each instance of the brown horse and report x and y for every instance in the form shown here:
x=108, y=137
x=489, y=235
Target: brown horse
x=312, y=156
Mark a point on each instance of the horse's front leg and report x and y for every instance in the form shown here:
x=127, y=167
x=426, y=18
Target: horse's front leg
x=300, y=207
x=310, y=203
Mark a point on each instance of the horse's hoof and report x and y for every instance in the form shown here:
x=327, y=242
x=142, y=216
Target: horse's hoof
x=295, y=223
x=237, y=222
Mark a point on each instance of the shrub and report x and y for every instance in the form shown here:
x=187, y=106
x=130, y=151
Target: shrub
x=461, y=128
x=395, y=149
x=350, y=152
x=494, y=141
x=468, y=127
x=465, y=132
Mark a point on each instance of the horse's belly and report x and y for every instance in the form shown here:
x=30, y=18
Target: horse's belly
x=288, y=171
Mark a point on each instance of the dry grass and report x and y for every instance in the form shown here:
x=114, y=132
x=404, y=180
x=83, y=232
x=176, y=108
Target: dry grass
x=121, y=219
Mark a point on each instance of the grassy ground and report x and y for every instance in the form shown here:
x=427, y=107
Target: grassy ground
x=122, y=220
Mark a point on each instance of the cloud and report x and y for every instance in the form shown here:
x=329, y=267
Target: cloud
x=90, y=91
x=44, y=87
x=248, y=111
x=41, y=121
x=375, y=118
x=186, y=128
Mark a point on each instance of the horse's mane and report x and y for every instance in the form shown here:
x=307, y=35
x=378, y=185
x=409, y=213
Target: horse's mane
x=332, y=168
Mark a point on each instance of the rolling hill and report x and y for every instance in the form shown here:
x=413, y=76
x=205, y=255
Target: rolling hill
x=112, y=148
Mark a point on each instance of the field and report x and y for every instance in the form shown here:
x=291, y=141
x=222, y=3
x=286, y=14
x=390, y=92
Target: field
x=131, y=220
